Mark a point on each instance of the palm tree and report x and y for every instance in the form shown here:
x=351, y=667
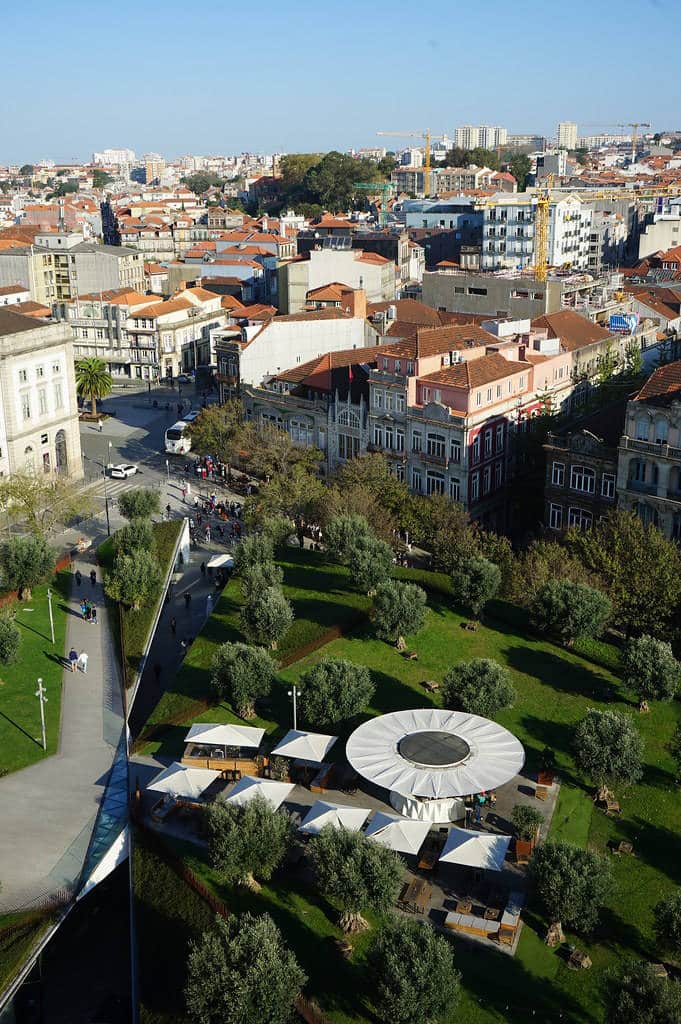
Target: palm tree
x=93, y=380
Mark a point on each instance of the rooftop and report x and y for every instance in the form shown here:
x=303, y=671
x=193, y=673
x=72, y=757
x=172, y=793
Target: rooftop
x=573, y=330
x=663, y=387
x=474, y=373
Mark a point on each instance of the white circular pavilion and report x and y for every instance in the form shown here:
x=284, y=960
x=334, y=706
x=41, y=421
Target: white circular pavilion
x=431, y=759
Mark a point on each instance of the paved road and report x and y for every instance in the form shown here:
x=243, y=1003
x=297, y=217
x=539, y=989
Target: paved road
x=48, y=809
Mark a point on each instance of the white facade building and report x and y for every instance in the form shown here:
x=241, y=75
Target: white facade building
x=508, y=233
x=469, y=136
x=567, y=135
x=114, y=156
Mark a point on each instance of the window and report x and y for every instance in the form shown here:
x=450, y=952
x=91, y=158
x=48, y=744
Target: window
x=389, y=402
x=399, y=403
x=498, y=474
x=579, y=518
x=23, y=376
x=499, y=390
x=478, y=398
x=389, y=437
x=378, y=436
x=416, y=441
x=488, y=442
x=486, y=480
x=455, y=489
x=583, y=479
x=46, y=462
x=410, y=368
x=58, y=398
x=436, y=445
x=56, y=367
x=398, y=366
x=608, y=485
x=556, y=517
x=386, y=364
x=378, y=399
x=39, y=371
x=399, y=440
x=475, y=486
x=426, y=394
x=399, y=471
x=489, y=394
x=435, y=483
x=86, y=333
x=500, y=437
x=475, y=449
x=416, y=480
x=42, y=401
x=300, y=432
x=348, y=446
x=26, y=405
x=558, y=474
x=29, y=459
x=642, y=428
x=661, y=430
x=455, y=451
x=521, y=382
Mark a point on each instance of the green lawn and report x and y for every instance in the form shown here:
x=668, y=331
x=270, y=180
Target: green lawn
x=555, y=687
x=20, y=737
x=132, y=625
x=19, y=933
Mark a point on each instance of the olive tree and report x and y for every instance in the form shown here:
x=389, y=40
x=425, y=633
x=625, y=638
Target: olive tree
x=135, y=579
x=247, y=842
x=139, y=503
x=412, y=973
x=25, y=562
x=569, y=884
x=137, y=535
x=258, y=577
x=608, y=748
x=334, y=691
x=480, y=687
x=570, y=610
x=371, y=561
x=475, y=581
x=526, y=820
x=255, y=549
x=342, y=532
x=668, y=923
x=267, y=616
x=399, y=608
x=636, y=995
x=10, y=639
x=242, y=972
x=355, y=873
x=650, y=668
x=240, y=675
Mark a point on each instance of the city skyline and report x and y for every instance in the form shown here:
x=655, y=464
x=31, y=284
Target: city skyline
x=278, y=89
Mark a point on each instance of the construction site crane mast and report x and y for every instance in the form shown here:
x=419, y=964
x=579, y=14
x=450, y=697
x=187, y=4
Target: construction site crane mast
x=634, y=125
x=427, y=136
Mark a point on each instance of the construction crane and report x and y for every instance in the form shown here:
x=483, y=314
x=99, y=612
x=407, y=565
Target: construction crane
x=634, y=125
x=385, y=188
x=428, y=136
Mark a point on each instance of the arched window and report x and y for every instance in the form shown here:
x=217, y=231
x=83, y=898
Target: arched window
x=61, y=460
x=642, y=428
x=661, y=430
x=347, y=418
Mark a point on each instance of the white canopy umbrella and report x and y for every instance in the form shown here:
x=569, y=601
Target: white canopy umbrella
x=248, y=788
x=227, y=735
x=405, y=835
x=475, y=849
x=221, y=562
x=182, y=780
x=305, y=746
x=322, y=813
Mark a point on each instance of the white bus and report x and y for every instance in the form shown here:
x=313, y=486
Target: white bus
x=177, y=439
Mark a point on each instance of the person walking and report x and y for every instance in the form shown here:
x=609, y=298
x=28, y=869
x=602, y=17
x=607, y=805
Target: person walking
x=93, y=577
x=73, y=658
x=173, y=625
x=184, y=493
x=187, y=599
x=207, y=533
x=100, y=425
x=82, y=662
x=79, y=577
x=93, y=614
x=203, y=568
x=209, y=604
x=168, y=510
x=83, y=608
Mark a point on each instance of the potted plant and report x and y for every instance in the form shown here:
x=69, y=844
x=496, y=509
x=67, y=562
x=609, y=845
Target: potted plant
x=547, y=771
x=526, y=823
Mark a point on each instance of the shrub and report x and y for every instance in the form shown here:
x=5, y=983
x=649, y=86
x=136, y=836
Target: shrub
x=139, y=503
x=475, y=581
x=256, y=549
x=570, y=884
x=650, y=668
x=399, y=609
x=480, y=687
x=258, y=577
x=138, y=535
x=135, y=579
x=334, y=691
x=25, y=562
x=526, y=820
x=266, y=617
x=342, y=533
x=10, y=639
x=570, y=610
x=608, y=747
x=371, y=562
x=240, y=674
x=668, y=923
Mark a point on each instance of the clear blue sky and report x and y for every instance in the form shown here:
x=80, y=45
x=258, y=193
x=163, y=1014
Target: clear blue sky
x=298, y=76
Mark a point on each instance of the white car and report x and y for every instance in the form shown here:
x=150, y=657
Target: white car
x=123, y=471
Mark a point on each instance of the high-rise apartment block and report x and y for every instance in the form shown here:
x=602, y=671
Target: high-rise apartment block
x=470, y=136
x=114, y=156
x=567, y=135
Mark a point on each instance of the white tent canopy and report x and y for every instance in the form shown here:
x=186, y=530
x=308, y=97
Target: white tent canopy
x=181, y=780
x=322, y=814
x=305, y=746
x=248, y=788
x=226, y=735
x=401, y=834
x=475, y=849
x=221, y=562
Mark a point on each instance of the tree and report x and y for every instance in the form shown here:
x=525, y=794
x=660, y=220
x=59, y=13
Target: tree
x=10, y=639
x=367, y=484
x=135, y=579
x=137, y=535
x=569, y=883
x=201, y=181
x=241, y=674
x=482, y=157
x=520, y=166
x=640, y=569
x=412, y=973
x=278, y=529
x=25, y=562
x=445, y=529
x=570, y=610
x=241, y=972
x=667, y=915
x=475, y=581
x=41, y=502
x=386, y=165
x=267, y=616
x=480, y=687
x=218, y=431
x=93, y=380
x=268, y=451
x=543, y=561
x=64, y=188
x=100, y=179
x=371, y=562
x=334, y=691
x=608, y=748
x=399, y=608
x=457, y=156
x=342, y=533
x=293, y=168
x=26, y=169
x=296, y=495
x=258, y=577
x=650, y=668
x=247, y=841
x=331, y=181
x=255, y=549
x=355, y=873
x=636, y=995
x=139, y=503
x=526, y=820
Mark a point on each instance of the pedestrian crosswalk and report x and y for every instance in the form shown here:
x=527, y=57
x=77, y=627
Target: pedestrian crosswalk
x=113, y=488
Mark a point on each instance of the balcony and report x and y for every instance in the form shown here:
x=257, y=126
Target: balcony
x=641, y=487
x=658, y=448
x=435, y=460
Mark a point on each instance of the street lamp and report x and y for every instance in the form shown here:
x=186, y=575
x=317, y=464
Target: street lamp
x=40, y=694
x=295, y=693
x=106, y=494
x=49, y=604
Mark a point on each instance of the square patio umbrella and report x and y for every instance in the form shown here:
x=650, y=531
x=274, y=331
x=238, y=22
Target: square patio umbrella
x=322, y=814
x=183, y=781
x=484, y=850
x=405, y=835
x=248, y=788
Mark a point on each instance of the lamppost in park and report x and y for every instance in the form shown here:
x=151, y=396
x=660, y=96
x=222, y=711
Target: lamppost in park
x=295, y=693
x=106, y=492
x=41, y=695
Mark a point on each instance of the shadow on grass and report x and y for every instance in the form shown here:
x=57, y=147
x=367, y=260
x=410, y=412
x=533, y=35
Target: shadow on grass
x=21, y=729
x=658, y=846
x=559, y=674
x=556, y=735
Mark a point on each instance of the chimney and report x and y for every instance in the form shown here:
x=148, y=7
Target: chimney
x=354, y=302
x=181, y=286
x=265, y=222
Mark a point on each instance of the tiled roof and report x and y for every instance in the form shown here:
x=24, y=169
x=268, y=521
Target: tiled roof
x=664, y=386
x=32, y=309
x=433, y=340
x=119, y=297
x=329, y=292
x=12, y=289
x=170, y=306
x=475, y=373
x=14, y=323
x=330, y=361
x=574, y=331
x=651, y=301
x=314, y=314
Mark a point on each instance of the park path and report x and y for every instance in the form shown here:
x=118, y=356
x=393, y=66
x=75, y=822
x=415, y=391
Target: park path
x=48, y=810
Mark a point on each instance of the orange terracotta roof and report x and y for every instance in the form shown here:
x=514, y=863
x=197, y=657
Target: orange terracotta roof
x=574, y=331
x=330, y=361
x=169, y=306
x=12, y=289
x=32, y=309
x=663, y=387
x=329, y=292
x=475, y=373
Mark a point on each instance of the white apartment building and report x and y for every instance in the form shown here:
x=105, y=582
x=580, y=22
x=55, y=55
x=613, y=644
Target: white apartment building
x=469, y=136
x=39, y=429
x=508, y=233
x=375, y=274
x=114, y=156
x=567, y=135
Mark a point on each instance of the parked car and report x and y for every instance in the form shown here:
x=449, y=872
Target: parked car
x=122, y=471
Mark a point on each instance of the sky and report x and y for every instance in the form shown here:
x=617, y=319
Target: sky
x=299, y=76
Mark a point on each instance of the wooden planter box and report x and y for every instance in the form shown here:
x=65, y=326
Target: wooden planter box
x=523, y=848
x=545, y=778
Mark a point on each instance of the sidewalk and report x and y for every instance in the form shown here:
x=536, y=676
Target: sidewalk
x=48, y=810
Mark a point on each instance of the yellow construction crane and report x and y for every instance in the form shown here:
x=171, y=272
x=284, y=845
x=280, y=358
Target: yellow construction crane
x=428, y=136
x=634, y=125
